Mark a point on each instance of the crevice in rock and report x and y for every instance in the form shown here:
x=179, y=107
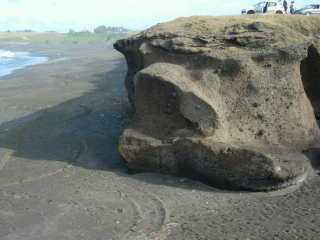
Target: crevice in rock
x=310, y=74
x=135, y=62
x=134, y=58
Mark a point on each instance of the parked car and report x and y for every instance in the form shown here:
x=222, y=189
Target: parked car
x=273, y=7
x=312, y=9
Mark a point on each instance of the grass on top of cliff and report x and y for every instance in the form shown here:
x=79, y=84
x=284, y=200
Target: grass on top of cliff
x=285, y=29
x=203, y=24
x=48, y=38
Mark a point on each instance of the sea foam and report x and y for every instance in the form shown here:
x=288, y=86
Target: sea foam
x=11, y=61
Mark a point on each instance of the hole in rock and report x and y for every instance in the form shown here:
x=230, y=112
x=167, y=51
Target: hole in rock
x=157, y=108
x=310, y=74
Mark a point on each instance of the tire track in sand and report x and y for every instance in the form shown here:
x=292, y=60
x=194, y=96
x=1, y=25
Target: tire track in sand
x=5, y=158
x=151, y=215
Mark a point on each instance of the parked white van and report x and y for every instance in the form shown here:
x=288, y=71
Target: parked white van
x=275, y=7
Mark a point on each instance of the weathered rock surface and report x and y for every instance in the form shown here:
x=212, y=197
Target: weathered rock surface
x=232, y=101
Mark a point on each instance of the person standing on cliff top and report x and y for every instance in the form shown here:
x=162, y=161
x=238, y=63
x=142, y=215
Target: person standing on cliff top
x=285, y=6
x=292, y=7
x=265, y=9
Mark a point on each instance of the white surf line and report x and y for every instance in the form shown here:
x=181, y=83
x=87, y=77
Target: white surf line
x=11, y=61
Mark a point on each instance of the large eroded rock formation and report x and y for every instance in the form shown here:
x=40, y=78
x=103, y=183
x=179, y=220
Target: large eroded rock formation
x=232, y=101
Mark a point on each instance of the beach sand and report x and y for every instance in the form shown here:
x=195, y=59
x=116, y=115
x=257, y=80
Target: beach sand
x=61, y=176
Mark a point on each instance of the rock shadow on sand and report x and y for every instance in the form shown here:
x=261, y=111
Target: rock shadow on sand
x=83, y=131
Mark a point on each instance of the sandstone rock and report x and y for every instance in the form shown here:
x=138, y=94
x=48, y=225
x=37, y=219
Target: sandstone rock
x=231, y=101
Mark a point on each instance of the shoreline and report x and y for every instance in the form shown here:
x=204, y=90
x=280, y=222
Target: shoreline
x=27, y=59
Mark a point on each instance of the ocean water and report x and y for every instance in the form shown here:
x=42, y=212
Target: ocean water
x=11, y=61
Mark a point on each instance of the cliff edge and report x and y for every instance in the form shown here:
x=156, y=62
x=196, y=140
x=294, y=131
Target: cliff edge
x=232, y=101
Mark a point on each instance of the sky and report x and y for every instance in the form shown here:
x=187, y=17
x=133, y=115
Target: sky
x=62, y=15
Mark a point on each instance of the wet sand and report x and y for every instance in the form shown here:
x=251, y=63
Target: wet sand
x=61, y=176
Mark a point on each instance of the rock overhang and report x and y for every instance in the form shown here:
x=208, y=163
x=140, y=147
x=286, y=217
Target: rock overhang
x=215, y=84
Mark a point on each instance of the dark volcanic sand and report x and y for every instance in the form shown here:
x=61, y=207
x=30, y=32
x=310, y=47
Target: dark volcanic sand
x=61, y=176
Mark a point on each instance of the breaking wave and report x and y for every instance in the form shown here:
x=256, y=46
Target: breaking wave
x=11, y=61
